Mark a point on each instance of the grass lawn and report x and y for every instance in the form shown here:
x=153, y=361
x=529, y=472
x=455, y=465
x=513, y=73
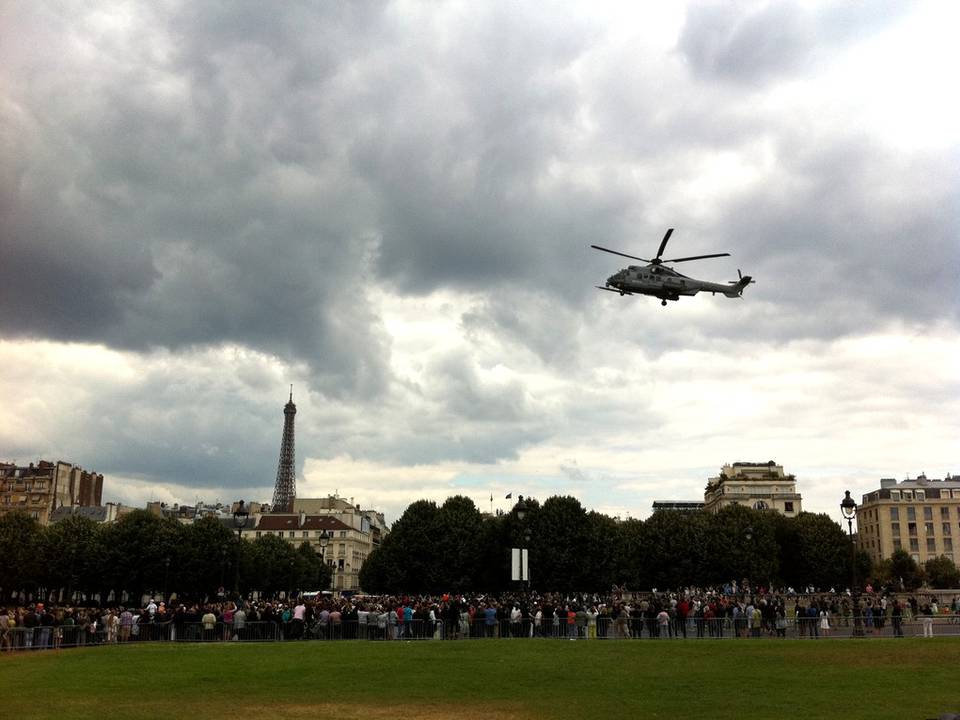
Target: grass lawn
x=496, y=679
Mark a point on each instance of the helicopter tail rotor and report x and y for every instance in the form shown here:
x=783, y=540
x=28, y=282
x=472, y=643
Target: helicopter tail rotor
x=740, y=284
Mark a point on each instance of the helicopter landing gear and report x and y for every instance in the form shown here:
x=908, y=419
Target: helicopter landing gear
x=621, y=293
x=663, y=302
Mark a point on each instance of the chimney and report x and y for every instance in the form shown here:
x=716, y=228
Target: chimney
x=303, y=517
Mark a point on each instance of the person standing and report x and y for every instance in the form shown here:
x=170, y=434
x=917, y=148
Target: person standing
x=209, y=623
x=896, y=618
x=126, y=622
x=592, y=622
x=926, y=618
x=239, y=623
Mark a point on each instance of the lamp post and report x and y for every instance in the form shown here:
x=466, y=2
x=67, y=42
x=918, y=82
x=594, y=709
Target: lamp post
x=848, y=507
x=293, y=563
x=166, y=571
x=240, y=516
x=324, y=540
x=748, y=537
x=223, y=563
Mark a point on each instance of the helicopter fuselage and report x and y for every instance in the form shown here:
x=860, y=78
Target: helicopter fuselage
x=665, y=283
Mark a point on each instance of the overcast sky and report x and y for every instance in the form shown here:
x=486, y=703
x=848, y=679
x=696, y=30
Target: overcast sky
x=390, y=206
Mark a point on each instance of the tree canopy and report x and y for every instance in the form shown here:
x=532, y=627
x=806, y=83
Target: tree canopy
x=455, y=547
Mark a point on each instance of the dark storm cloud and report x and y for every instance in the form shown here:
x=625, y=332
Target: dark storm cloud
x=188, y=205
x=244, y=174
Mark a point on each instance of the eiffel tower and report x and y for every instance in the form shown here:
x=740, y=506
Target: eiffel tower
x=286, y=488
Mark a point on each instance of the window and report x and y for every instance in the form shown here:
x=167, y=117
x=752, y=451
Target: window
x=912, y=529
x=895, y=529
x=788, y=506
x=944, y=513
x=948, y=544
x=292, y=533
x=343, y=533
x=897, y=545
x=306, y=533
x=915, y=556
x=931, y=545
x=908, y=494
x=928, y=528
x=921, y=494
x=914, y=544
x=928, y=513
x=895, y=495
x=760, y=505
x=911, y=513
x=258, y=533
x=946, y=528
x=894, y=513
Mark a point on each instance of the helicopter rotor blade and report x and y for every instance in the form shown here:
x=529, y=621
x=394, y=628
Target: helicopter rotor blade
x=616, y=252
x=697, y=257
x=663, y=244
x=608, y=289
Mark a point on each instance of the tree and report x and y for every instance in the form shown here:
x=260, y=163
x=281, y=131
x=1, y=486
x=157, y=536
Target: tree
x=413, y=547
x=742, y=545
x=206, y=559
x=560, y=535
x=267, y=564
x=20, y=539
x=71, y=552
x=634, y=568
x=134, y=550
x=604, y=551
x=814, y=550
x=903, y=571
x=674, y=548
x=311, y=573
x=942, y=573
x=457, y=544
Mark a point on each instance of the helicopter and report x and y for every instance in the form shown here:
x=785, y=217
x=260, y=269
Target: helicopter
x=664, y=282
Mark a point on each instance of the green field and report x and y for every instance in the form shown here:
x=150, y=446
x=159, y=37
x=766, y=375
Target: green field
x=494, y=679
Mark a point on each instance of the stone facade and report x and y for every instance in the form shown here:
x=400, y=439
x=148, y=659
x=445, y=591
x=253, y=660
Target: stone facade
x=921, y=516
x=40, y=489
x=761, y=486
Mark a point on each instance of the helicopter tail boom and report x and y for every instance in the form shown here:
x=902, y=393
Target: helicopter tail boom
x=736, y=290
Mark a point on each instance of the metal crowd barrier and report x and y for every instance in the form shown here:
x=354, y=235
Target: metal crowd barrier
x=384, y=629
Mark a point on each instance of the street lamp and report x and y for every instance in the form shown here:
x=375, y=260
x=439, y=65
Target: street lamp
x=223, y=563
x=293, y=564
x=166, y=571
x=240, y=516
x=848, y=507
x=324, y=540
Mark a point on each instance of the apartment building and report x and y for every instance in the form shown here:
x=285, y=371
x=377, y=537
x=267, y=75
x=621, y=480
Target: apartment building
x=921, y=516
x=761, y=486
x=39, y=489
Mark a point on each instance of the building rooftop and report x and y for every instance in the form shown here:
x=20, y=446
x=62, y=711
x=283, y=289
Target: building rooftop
x=97, y=513
x=292, y=522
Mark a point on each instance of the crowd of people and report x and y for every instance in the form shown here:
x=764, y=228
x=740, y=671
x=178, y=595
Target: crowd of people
x=729, y=611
